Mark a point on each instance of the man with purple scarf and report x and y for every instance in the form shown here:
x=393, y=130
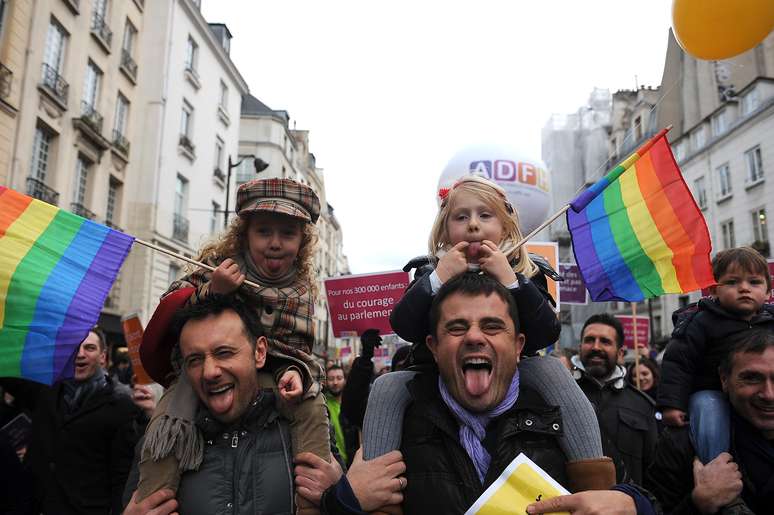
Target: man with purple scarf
x=469, y=419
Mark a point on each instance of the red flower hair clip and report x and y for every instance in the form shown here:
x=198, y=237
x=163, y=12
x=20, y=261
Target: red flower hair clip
x=443, y=193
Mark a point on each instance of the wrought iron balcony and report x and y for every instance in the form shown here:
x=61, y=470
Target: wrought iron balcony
x=91, y=117
x=100, y=29
x=187, y=144
x=80, y=210
x=128, y=64
x=54, y=83
x=6, y=78
x=180, y=228
x=120, y=142
x=38, y=189
x=113, y=226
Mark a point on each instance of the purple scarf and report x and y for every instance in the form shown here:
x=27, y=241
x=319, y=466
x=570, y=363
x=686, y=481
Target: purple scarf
x=473, y=425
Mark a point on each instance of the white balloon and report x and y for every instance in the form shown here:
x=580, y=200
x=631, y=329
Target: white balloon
x=526, y=181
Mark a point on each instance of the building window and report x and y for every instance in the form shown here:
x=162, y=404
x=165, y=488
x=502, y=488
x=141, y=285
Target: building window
x=760, y=230
x=41, y=148
x=637, y=128
x=724, y=180
x=100, y=9
x=750, y=101
x=173, y=273
x=223, y=96
x=754, y=164
x=122, y=115
x=219, y=154
x=130, y=34
x=699, y=138
x=81, y=181
x=55, y=48
x=719, y=125
x=181, y=192
x=727, y=230
x=91, y=85
x=191, y=54
x=681, y=150
x=700, y=191
x=186, y=121
x=114, y=191
x=179, y=221
x=215, y=217
x=3, y=6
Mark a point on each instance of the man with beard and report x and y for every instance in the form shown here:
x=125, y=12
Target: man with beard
x=626, y=415
x=345, y=434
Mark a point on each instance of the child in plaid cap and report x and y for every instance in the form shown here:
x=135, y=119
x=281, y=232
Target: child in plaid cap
x=272, y=243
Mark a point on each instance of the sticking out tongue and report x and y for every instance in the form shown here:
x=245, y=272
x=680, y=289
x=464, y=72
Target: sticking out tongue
x=477, y=381
x=472, y=250
x=221, y=402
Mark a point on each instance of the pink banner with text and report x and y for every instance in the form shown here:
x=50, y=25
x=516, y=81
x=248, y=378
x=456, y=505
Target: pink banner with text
x=360, y=302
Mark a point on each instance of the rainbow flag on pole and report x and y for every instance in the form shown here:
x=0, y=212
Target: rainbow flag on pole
x=56, y=269
x=637, y=233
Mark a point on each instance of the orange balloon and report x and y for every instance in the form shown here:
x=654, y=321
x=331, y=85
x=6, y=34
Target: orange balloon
x=719, y=29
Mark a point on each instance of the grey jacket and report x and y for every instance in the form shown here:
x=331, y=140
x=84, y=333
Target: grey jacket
x=247, y=467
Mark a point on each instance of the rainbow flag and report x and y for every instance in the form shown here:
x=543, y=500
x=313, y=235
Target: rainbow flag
x=637, y=233
x=56, y=269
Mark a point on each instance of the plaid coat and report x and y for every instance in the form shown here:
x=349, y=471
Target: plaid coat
x=286, y=315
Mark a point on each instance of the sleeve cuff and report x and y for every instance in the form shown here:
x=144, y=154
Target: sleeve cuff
x=435, y=282
x=642, y=503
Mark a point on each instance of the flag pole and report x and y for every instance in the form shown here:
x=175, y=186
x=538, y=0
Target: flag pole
x=542, y=226
x=186, y=259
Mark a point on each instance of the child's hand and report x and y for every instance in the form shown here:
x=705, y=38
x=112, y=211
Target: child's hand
x=495, y=263
x=226, y=278
x=290, y=385
x=674, y=417
x=453, y=263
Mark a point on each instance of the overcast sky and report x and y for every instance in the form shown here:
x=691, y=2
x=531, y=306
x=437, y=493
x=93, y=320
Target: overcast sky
x=391, y=90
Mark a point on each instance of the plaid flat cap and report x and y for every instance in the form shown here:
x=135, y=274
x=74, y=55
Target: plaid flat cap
x=284, y=196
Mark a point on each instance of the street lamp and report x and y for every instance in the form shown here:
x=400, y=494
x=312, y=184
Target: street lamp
x=260, y=165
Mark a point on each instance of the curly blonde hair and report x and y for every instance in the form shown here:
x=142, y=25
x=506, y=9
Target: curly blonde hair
x=494, y=197
x=234, y=242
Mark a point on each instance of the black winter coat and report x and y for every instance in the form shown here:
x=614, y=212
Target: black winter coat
x=670, y=477
x=247, y=466
x=627, y=421
x=441, y=476
x=538, y=320
x=81, y=461
x=699, y=343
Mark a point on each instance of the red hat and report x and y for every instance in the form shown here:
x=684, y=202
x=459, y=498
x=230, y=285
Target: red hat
x=157, y=342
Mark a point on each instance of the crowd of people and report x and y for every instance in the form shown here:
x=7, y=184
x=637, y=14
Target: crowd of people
x=249, y=422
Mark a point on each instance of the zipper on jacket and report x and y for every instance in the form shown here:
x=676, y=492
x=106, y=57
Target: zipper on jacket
x=286, y=453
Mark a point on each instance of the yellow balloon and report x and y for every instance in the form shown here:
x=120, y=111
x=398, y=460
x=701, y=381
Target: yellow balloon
x=719, y=29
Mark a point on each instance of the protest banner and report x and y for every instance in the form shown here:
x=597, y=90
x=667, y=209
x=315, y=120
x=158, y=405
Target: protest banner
x=572, y=290
x=550, y=251
x=132, y=327
x=643, y=330
x=360, y=302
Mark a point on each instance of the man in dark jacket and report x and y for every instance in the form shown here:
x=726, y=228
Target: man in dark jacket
x=684, y=485
x=470, y=419
x=626, y=416
x=247, y=456
x=83, y=435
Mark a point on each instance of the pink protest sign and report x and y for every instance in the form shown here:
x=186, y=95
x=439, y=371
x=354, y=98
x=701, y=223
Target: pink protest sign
x=360, y=302
x=771, y=273
x=643, y=330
